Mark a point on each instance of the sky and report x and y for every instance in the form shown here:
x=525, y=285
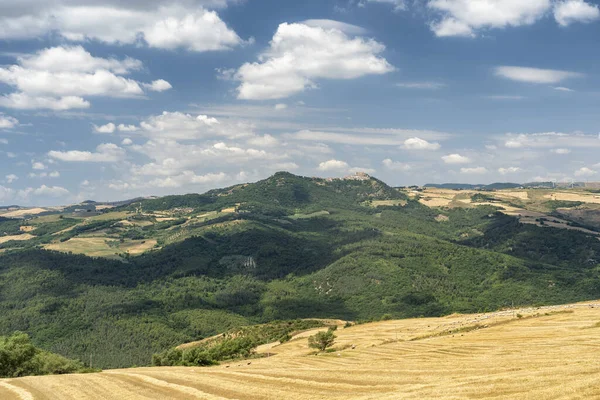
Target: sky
x=110, y=100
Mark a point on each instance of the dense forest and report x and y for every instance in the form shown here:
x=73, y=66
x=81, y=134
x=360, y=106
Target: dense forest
x=294, y=248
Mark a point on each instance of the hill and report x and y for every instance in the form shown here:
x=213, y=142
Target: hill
x=138, y=279
x=533, y=353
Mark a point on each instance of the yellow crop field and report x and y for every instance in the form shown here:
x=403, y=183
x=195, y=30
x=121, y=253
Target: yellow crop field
x=535, y=353
x=26, y=236
x=99, y=247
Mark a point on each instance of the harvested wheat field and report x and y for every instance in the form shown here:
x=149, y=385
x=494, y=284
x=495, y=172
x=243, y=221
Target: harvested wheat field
x=536, y=353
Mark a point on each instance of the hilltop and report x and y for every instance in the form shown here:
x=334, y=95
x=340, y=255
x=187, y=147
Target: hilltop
x=135, y=279
x=526, y=353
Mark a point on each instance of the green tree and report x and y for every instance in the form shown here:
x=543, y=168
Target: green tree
x=322, y=340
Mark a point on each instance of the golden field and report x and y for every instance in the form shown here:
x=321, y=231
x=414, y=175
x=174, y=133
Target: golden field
x=535, y=353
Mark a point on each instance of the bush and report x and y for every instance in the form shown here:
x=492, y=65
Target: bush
x=322, y=340
x=19, y=357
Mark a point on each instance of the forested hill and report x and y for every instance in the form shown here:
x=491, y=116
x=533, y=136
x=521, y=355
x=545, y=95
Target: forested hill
x=180, y=268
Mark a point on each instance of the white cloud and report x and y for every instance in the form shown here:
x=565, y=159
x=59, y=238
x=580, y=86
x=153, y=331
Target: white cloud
x=59, y=78
x=281, y=106
x=51, y=191
x=474, y=171
x=456, y=159
x=420, y=144
x=368, y=137
x=108, y=128
x=396, y=166
x=550, y=140
x=333, y=165
x=54, y=174
x=159, y=85
x=585, y=172
x=22, y=101
x=11, y=178
x=107, y=152
x=127, y=142
x=38, y=166
x=570, y=11
x=563, y=89
x=165, y=26
x=421, y=85
x=76, y=59
x=535, y=75
x=398, y=5
x=180, y=126
x=331, y=24
x=561, y=151
x=7, y=122
x=264, y=141
x=466, y=17
x=127, y=128
x=509, y=170
x=6, y=193
x=187, y=178
x=300, y=54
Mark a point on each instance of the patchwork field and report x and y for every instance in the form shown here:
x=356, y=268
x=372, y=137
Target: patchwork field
x=534, y=353
x=541, y=207
x=102, y=247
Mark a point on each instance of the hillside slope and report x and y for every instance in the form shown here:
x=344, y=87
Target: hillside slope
x=182, y=268
x=534, y=353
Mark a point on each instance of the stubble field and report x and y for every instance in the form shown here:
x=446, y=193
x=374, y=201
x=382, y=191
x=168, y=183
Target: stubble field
x=535, y=353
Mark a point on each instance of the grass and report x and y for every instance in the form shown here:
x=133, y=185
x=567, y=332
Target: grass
x=535, y=358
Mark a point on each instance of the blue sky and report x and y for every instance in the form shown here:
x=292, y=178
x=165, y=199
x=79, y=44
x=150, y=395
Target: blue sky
x=105, y=101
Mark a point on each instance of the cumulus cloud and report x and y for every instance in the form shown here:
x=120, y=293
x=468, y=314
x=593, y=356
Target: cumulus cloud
x=420, y=144
x=474, y=170
x=159, y=85
x=467, y=17
x=456, y=159
x=7, y=122
x=42, y=80
x=585, y=172
x=23, y=101
x=76, y=59
x=164, y=25
x=127, y=142
x=333, y=165
x=38, y=166
x=182, y=126
x=281, y=106
x=535, y=75
x=561, y=151
x=570, y=11
x=395, y=165
x=127, y=128
x=105, y=153
x=108, y=128
x=299, y=55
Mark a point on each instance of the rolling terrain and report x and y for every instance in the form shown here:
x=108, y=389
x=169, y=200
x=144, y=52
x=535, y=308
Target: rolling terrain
x=531, y=353
x=118, y=283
